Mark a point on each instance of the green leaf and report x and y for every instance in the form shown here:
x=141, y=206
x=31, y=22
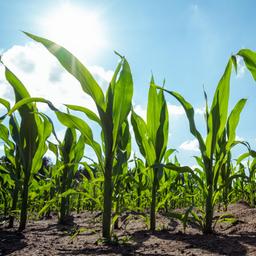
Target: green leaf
x=144, y=143
x=219, y=111
x=163, y=129
x=123, y=91
x=190, y=115
x=44, y=131
x=4, y=133
x=168, y=153
x=90, y=114
x=153, y=112
x=75, y=68
x=249, y=57
x=67, y=120
x=184, y=169
x=233, y=121
x=77, y=123
x=5, y=103
x=53, y=148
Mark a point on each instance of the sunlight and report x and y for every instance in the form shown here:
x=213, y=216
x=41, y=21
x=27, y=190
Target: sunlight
x=81, y=31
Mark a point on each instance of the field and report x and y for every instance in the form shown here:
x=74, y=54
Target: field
x=122, y=202
x=44, y=237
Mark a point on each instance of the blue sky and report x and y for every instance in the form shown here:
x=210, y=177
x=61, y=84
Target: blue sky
x=188, y=43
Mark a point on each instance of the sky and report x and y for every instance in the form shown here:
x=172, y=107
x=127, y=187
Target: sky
x=187, y=43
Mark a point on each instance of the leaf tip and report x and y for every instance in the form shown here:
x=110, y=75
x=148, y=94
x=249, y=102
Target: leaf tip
x=118, y=54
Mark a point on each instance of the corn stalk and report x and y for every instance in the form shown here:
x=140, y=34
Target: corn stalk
x=113, y=109
x=151, y=138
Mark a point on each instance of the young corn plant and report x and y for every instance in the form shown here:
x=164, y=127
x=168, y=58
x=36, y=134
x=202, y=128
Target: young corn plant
x=72, y=151
x=11, y=138
x=152, y=138
x=11, y=160
x=33, y=132
x=225, y=174
x=113, y=109
x=141, y=184
x=6, y=187
x=214, y=152
x=6, y=181
x=249, y=176
x=121, y=177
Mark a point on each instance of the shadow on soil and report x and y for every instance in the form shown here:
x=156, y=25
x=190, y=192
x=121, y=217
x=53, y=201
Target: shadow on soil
x=212, y=244
x=215, y=243
x=11, y=241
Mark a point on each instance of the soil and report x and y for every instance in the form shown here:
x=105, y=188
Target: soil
x=83, y=237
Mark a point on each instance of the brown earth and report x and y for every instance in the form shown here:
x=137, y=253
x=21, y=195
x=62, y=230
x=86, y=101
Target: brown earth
x=45, y=237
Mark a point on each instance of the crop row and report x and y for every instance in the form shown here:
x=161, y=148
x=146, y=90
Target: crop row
x=119, y=182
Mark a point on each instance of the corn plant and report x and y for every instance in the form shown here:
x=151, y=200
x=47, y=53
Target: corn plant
x=214, y=152
x=6, y=186
x=33, y=132
x=248, y=176
x=12, y=161
x=113, y=109
x=121, y=177
x=141, y=184
x=72, y=151
x=151, y=138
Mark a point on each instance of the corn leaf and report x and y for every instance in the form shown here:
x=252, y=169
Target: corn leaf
x=90, y=114
x=233, y=121
x=249, y=57
x=75, y=68
x=219, y=111
x=145, y=145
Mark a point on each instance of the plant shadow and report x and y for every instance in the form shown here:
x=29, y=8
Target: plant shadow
x=213, y=243
x=11, y=241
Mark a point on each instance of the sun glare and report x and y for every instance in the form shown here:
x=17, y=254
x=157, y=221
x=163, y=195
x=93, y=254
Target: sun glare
x=79, y=30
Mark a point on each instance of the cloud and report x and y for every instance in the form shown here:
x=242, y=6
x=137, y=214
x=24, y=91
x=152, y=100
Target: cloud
x=239, y=138
x=141, y=111
x=190, y=145
x=240, y=67
x=175, y=110
x=44, y=77
x=102, y=76
x=200, y=111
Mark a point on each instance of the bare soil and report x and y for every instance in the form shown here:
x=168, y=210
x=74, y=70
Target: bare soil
x=45, y=237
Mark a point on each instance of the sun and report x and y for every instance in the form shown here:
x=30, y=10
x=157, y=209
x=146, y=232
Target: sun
x=79, y=30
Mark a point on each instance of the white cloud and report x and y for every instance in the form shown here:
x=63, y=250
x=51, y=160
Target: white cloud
x=190, y=145
x=44, y=77
x=102, y=76
x=200, y=111
x=240, y=67
x=175, y=110
x=239, y=138
x=141, y=111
